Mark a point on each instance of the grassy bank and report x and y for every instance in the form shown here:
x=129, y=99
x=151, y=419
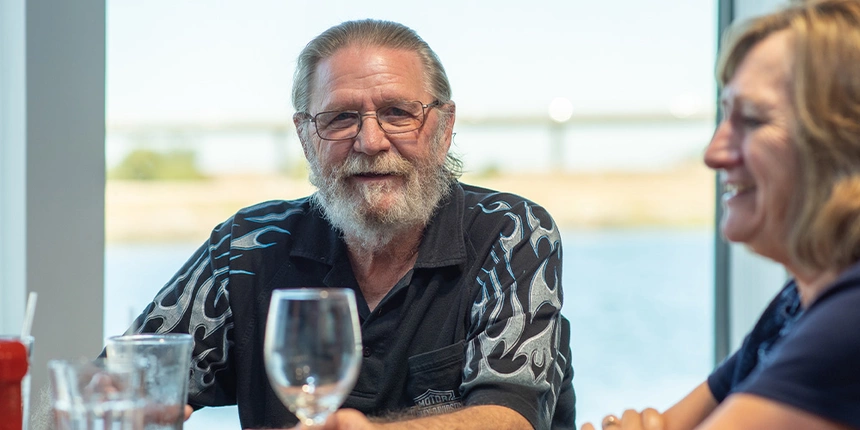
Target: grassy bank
x=187, y=210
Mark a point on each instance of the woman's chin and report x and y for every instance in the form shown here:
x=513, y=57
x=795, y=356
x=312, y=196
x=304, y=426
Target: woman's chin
x=736, y=231
x=754, y=241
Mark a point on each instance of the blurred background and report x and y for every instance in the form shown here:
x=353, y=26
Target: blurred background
x=598, y=111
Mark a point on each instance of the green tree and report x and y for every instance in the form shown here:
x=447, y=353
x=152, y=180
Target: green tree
x=149, y=165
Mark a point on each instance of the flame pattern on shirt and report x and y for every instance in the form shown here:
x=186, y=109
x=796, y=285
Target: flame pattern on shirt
x=515, y=321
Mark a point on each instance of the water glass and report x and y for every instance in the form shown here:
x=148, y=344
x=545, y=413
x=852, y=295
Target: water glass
x=167, y=359
x=312, y=350
x=96, y=395
x=25, y=383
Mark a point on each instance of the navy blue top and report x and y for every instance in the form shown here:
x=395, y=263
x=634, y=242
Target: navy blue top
x=805, y=358
x=476, y=321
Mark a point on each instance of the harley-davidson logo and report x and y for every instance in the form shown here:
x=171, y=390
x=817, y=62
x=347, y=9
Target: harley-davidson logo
x=434, y=402
x=435, y=397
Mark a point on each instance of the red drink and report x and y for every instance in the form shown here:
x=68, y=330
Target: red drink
x=13, y=368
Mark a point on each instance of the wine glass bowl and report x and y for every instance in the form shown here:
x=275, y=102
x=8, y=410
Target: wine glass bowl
x=312, y=350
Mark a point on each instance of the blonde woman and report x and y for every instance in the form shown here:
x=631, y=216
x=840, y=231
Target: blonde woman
x=788, y=154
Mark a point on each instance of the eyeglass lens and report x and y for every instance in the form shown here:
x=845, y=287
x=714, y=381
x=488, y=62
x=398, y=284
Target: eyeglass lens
x=398, y=118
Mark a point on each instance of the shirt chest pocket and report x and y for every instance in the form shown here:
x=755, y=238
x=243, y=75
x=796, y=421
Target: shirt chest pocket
x=434, y=379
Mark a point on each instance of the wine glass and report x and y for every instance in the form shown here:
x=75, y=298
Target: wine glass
x=312, y=350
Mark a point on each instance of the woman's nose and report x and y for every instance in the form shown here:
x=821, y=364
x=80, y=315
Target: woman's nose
x=722, y=152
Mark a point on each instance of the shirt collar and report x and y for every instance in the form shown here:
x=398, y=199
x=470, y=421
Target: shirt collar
x=314, y=238
x=443, y=241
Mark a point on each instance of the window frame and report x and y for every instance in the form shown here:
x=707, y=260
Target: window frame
x=12, y=160
x=52, y=157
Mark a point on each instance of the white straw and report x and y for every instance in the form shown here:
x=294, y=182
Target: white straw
x=28, y=314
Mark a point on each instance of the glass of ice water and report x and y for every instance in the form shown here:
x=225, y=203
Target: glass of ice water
x=96, y=395
x=312, y=350
x=166, y=359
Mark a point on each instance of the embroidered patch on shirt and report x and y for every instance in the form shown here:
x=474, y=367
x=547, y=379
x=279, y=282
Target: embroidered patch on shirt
x=434, y=402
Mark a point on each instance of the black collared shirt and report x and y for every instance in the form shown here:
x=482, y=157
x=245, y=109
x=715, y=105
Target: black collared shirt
x=475, y=322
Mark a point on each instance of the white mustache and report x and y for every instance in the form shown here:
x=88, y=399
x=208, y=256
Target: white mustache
x=389, y=164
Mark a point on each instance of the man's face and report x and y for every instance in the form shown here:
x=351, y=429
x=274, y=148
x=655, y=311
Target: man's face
x=376, y=182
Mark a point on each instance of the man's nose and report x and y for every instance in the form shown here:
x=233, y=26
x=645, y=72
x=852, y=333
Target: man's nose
x=371, y=139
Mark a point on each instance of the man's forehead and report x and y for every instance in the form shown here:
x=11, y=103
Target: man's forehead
x=355, y=73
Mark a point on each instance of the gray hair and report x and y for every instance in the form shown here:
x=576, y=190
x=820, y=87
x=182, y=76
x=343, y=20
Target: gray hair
x=371, y=32
x=368, y=32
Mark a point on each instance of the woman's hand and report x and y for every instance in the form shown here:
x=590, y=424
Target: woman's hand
x=648, y=419
x=685, y=415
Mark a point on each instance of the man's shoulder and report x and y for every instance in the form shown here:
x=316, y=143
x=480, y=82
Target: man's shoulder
x=485, y=201
x=273, y=216
x=490, y=213
x=274, y=211
x=268, y=228
x=474, y=194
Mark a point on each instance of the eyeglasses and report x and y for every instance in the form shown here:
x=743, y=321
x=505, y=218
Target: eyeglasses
x=394, y=119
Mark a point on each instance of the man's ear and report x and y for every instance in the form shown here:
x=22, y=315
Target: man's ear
x=450, y=110
x=301, y=123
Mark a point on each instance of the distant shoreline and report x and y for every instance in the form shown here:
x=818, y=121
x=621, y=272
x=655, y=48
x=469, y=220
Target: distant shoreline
x=182, y=211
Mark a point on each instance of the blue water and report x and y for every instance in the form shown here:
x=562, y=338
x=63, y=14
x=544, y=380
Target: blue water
x=639, y=301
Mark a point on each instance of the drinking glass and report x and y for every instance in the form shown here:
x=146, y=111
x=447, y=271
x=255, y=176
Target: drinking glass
x=167, y=364
x=96, y=395
x=312, y=350
x=25, y=383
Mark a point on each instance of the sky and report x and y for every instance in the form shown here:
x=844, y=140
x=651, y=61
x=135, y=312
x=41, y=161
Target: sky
x=211, y=61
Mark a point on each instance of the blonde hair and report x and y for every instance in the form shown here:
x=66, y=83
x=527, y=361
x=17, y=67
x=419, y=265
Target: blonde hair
x=824, y=221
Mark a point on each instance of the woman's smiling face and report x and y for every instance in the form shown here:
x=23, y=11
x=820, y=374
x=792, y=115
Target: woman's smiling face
x=752, y=149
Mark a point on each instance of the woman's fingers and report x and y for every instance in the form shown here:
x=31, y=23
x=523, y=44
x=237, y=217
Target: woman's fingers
x=610, y=422
x=630, y=420
x=648, y=419
x=652, y=420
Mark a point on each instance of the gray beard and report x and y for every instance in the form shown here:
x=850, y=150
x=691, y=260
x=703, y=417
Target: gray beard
x=352, y=208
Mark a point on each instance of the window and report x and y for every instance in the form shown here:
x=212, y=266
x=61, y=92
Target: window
x=600, y=113
x=49, y=272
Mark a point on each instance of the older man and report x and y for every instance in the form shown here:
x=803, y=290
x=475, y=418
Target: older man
x=458, y=288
